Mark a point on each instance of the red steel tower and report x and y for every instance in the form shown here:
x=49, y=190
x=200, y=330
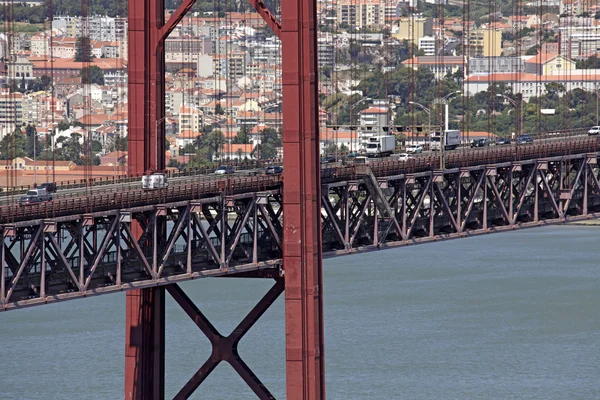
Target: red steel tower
x=302, y=268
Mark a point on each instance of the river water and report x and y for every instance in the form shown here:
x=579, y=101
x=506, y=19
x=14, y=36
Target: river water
x=508, y=316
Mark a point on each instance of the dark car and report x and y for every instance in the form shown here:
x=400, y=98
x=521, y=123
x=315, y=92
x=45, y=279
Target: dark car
x=274, y=170
x=328, y=159
x=353, y=154
x=480, y=143
x=225, y=169
x=524, y=139
x=28, y=200
x=49, y=186
x=502, y=141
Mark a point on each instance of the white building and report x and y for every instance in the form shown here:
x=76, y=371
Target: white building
x=427, y=44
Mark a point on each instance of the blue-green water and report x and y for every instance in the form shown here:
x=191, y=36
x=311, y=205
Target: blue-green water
x=508, y=316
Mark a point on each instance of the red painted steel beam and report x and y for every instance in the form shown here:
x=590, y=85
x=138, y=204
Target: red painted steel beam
x=302, y=258
x=145, y=344
x=145, y=312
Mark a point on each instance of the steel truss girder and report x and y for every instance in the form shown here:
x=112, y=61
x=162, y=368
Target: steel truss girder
x=192, y=248
x=481, y=199
x=454, y=204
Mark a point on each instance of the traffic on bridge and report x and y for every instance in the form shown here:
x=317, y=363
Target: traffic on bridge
x=195, y=139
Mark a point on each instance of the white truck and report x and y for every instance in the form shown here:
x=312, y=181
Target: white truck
x=380, y=146
x=154, y=181
x=41, y=194
x=451, y=139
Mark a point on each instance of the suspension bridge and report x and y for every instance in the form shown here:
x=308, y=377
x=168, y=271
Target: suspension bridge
x=108, y=236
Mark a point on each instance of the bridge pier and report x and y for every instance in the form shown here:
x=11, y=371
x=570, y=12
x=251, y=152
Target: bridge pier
x=145, y=344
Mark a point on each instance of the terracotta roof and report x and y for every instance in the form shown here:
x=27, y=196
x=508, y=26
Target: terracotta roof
x=68, y=63
x=374, y=110
x=233, y=148
x=541, y=58
x=187, y=134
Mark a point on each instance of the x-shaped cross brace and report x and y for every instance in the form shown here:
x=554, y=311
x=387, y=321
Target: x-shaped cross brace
x=225, y=348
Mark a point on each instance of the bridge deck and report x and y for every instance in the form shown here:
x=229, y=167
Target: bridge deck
x=83, y=246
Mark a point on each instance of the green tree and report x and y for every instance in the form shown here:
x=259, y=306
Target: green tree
x=32, y=142
x=96, y=146
x=70, y=148
x=92, y=74
x=13, y=145
x=121, y=144
x=83, y=50
x=242, y=136
x=219, y=109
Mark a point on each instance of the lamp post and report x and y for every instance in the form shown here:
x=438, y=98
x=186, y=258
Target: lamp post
x=158, y=121
x=597, y=93
x=353, y=107
x=428, y=112
x=516, y=106
x=446, y=101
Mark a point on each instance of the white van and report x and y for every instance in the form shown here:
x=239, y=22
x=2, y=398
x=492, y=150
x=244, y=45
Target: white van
x=154, y=181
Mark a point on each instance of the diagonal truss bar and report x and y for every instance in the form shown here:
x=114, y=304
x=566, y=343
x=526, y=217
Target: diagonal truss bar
x=32, y=246
x=548, y=191
x=206, y=237
x=447, y=208
x=472, y=201
x=64, y=261
x=582, y=167
x=524, y=192
x=173, y=239
x=139, y=251
x=424, y=192
x=225, y=348
x=333, y=220
x=499, y=201
x=267, y=16
x=249, y=210
x=176, y=17
x=100, y=255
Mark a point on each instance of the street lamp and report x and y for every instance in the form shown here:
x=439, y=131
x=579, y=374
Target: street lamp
x=514, y=103
x=597, y=93
x=446, y=101
x=428, y=111
x=352, y=108
x=158, y=121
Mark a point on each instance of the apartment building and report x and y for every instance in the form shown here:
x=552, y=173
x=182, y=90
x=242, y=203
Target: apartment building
x=11, y=111
x=369, y=14
x=579, y=42
x=489, y=65
x=483, y=43
x=190, y=119
x=230, y=67
x=413, y=28
x=428, y=45
x=19, y=67
x=440, y=66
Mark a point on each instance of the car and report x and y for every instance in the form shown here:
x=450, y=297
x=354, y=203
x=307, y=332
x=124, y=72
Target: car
x=225, y=169
x=28, y=200
x=524, y=139
x=328, y=159
x=353, y=154
x=502, y=141
x=274, y=170
x=49, y=186
x=594, y=130
x=480, y=143
x=403, y=157
x=414, y=149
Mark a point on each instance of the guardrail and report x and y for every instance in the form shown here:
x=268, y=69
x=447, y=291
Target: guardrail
x=129, y=178
x=134, y=198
